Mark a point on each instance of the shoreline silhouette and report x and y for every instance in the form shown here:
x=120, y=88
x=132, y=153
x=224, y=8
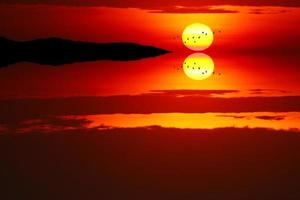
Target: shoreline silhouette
x=57, y=51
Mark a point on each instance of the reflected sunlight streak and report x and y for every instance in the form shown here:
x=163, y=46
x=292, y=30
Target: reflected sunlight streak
x=277, y=121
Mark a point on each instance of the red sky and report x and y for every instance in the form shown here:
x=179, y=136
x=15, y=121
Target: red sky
x=256, y=83
x=257, y=47
x=157, y=3
x=271, y=28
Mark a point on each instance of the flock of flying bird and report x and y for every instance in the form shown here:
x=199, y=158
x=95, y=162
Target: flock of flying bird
x=179, y=68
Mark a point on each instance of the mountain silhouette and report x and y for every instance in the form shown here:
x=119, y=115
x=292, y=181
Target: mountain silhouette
x=57, y=51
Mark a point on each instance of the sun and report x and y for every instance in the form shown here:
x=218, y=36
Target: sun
x=197, y=37
x=198, y=66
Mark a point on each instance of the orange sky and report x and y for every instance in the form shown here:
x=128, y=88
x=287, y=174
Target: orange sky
x=239, y=30
x=143, y=128
x=161, y=73
x=252, y=51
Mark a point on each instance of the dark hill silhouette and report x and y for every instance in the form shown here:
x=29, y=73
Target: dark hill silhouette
x=56, y=51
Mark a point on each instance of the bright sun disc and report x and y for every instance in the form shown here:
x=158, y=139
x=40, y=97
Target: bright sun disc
x=198, y=66
x=197, y=37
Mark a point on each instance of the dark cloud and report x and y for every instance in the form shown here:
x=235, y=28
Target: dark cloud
x=266, y=11
x=263, y=117
x=44, y=124
x=20, y=109
x=189, y=10
x=232, y=116
x=266, y=91
x=56, y=122
x=157, y=4
x=191, y=92
x=266, y=117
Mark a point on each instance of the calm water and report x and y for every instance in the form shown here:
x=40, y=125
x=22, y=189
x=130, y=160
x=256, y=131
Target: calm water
x=242, y=77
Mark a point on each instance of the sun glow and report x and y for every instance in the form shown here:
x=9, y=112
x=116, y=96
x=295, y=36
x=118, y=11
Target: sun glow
x=198, y=66
x=197, y=37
